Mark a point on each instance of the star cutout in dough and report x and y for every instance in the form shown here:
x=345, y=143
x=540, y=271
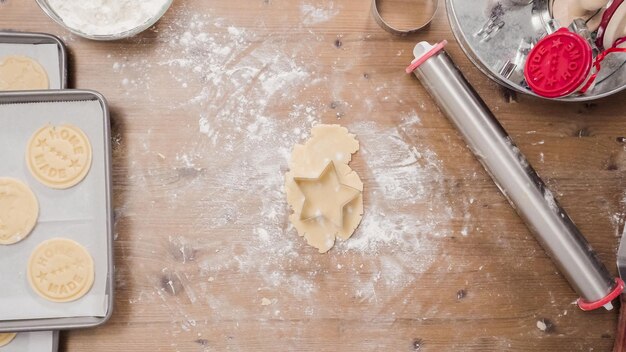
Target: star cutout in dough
x=325, y=196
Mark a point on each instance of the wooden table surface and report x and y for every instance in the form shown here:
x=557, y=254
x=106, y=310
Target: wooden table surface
x=206, y=107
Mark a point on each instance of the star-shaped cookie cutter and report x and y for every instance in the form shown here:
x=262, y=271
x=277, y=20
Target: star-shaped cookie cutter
x=346, y=195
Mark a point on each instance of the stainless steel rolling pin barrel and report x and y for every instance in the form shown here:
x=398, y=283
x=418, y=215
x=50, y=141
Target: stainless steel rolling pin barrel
x=517, y=180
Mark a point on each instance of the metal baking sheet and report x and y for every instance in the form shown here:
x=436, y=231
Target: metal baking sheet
x=82, y=213
x=52, y=54
x=40, y=341
x=46, y=49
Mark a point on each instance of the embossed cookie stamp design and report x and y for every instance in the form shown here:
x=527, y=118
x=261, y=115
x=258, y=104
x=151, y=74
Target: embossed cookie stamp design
x=60, y=270
x=19, y=210
x=59, y=156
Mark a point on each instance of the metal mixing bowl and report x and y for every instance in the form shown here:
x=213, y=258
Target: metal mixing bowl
x=114, y=36
x=494, y=44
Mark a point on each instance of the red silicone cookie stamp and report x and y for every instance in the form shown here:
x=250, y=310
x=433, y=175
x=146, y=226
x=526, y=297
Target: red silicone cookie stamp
x=558, y=65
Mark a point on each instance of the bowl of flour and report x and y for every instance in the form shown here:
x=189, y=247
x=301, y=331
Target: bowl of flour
x=105, y=19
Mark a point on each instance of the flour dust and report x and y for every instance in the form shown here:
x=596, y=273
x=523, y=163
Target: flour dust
x=243, y=99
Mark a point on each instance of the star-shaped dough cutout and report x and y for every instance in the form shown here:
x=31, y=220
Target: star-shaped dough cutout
x=325, y=196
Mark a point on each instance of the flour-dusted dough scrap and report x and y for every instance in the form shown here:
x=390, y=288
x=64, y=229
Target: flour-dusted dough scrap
x=19, y=210
x=328, y=143
x=59, y=156
x=60, y=270
x=22, y=73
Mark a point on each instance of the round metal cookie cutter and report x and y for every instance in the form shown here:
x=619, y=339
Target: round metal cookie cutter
x=402, y=32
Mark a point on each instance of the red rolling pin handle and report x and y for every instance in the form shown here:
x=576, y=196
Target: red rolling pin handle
x=606, y=301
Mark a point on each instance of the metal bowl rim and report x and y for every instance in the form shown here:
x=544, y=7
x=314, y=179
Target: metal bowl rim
x=474, y=59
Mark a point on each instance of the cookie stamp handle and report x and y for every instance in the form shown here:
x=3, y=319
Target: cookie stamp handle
x=515, y=177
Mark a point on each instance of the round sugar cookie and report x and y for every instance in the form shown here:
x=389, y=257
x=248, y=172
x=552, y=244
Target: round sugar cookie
x=59, y=156
x=6, y=338
x=19, y=210
x=22, y=73
x=60, y=270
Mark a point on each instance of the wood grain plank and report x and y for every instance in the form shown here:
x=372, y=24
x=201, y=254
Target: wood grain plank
x=190, y=272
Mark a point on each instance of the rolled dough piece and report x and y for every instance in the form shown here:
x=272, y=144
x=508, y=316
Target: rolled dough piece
x=60, y=270
x=325, y=194
x=59, y=156
x=22, y=73
x=19, y=210
x=6, y=338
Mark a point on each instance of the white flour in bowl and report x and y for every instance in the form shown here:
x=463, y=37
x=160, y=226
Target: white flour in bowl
x=106, y=17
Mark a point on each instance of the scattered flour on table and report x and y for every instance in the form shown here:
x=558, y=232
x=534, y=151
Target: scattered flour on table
x=247, y=100
x=265, y=301
x=405, y=175
x=314, y=14
x=618, y=219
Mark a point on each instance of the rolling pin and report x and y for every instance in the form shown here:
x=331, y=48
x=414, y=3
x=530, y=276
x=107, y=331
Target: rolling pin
x=515, y=177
